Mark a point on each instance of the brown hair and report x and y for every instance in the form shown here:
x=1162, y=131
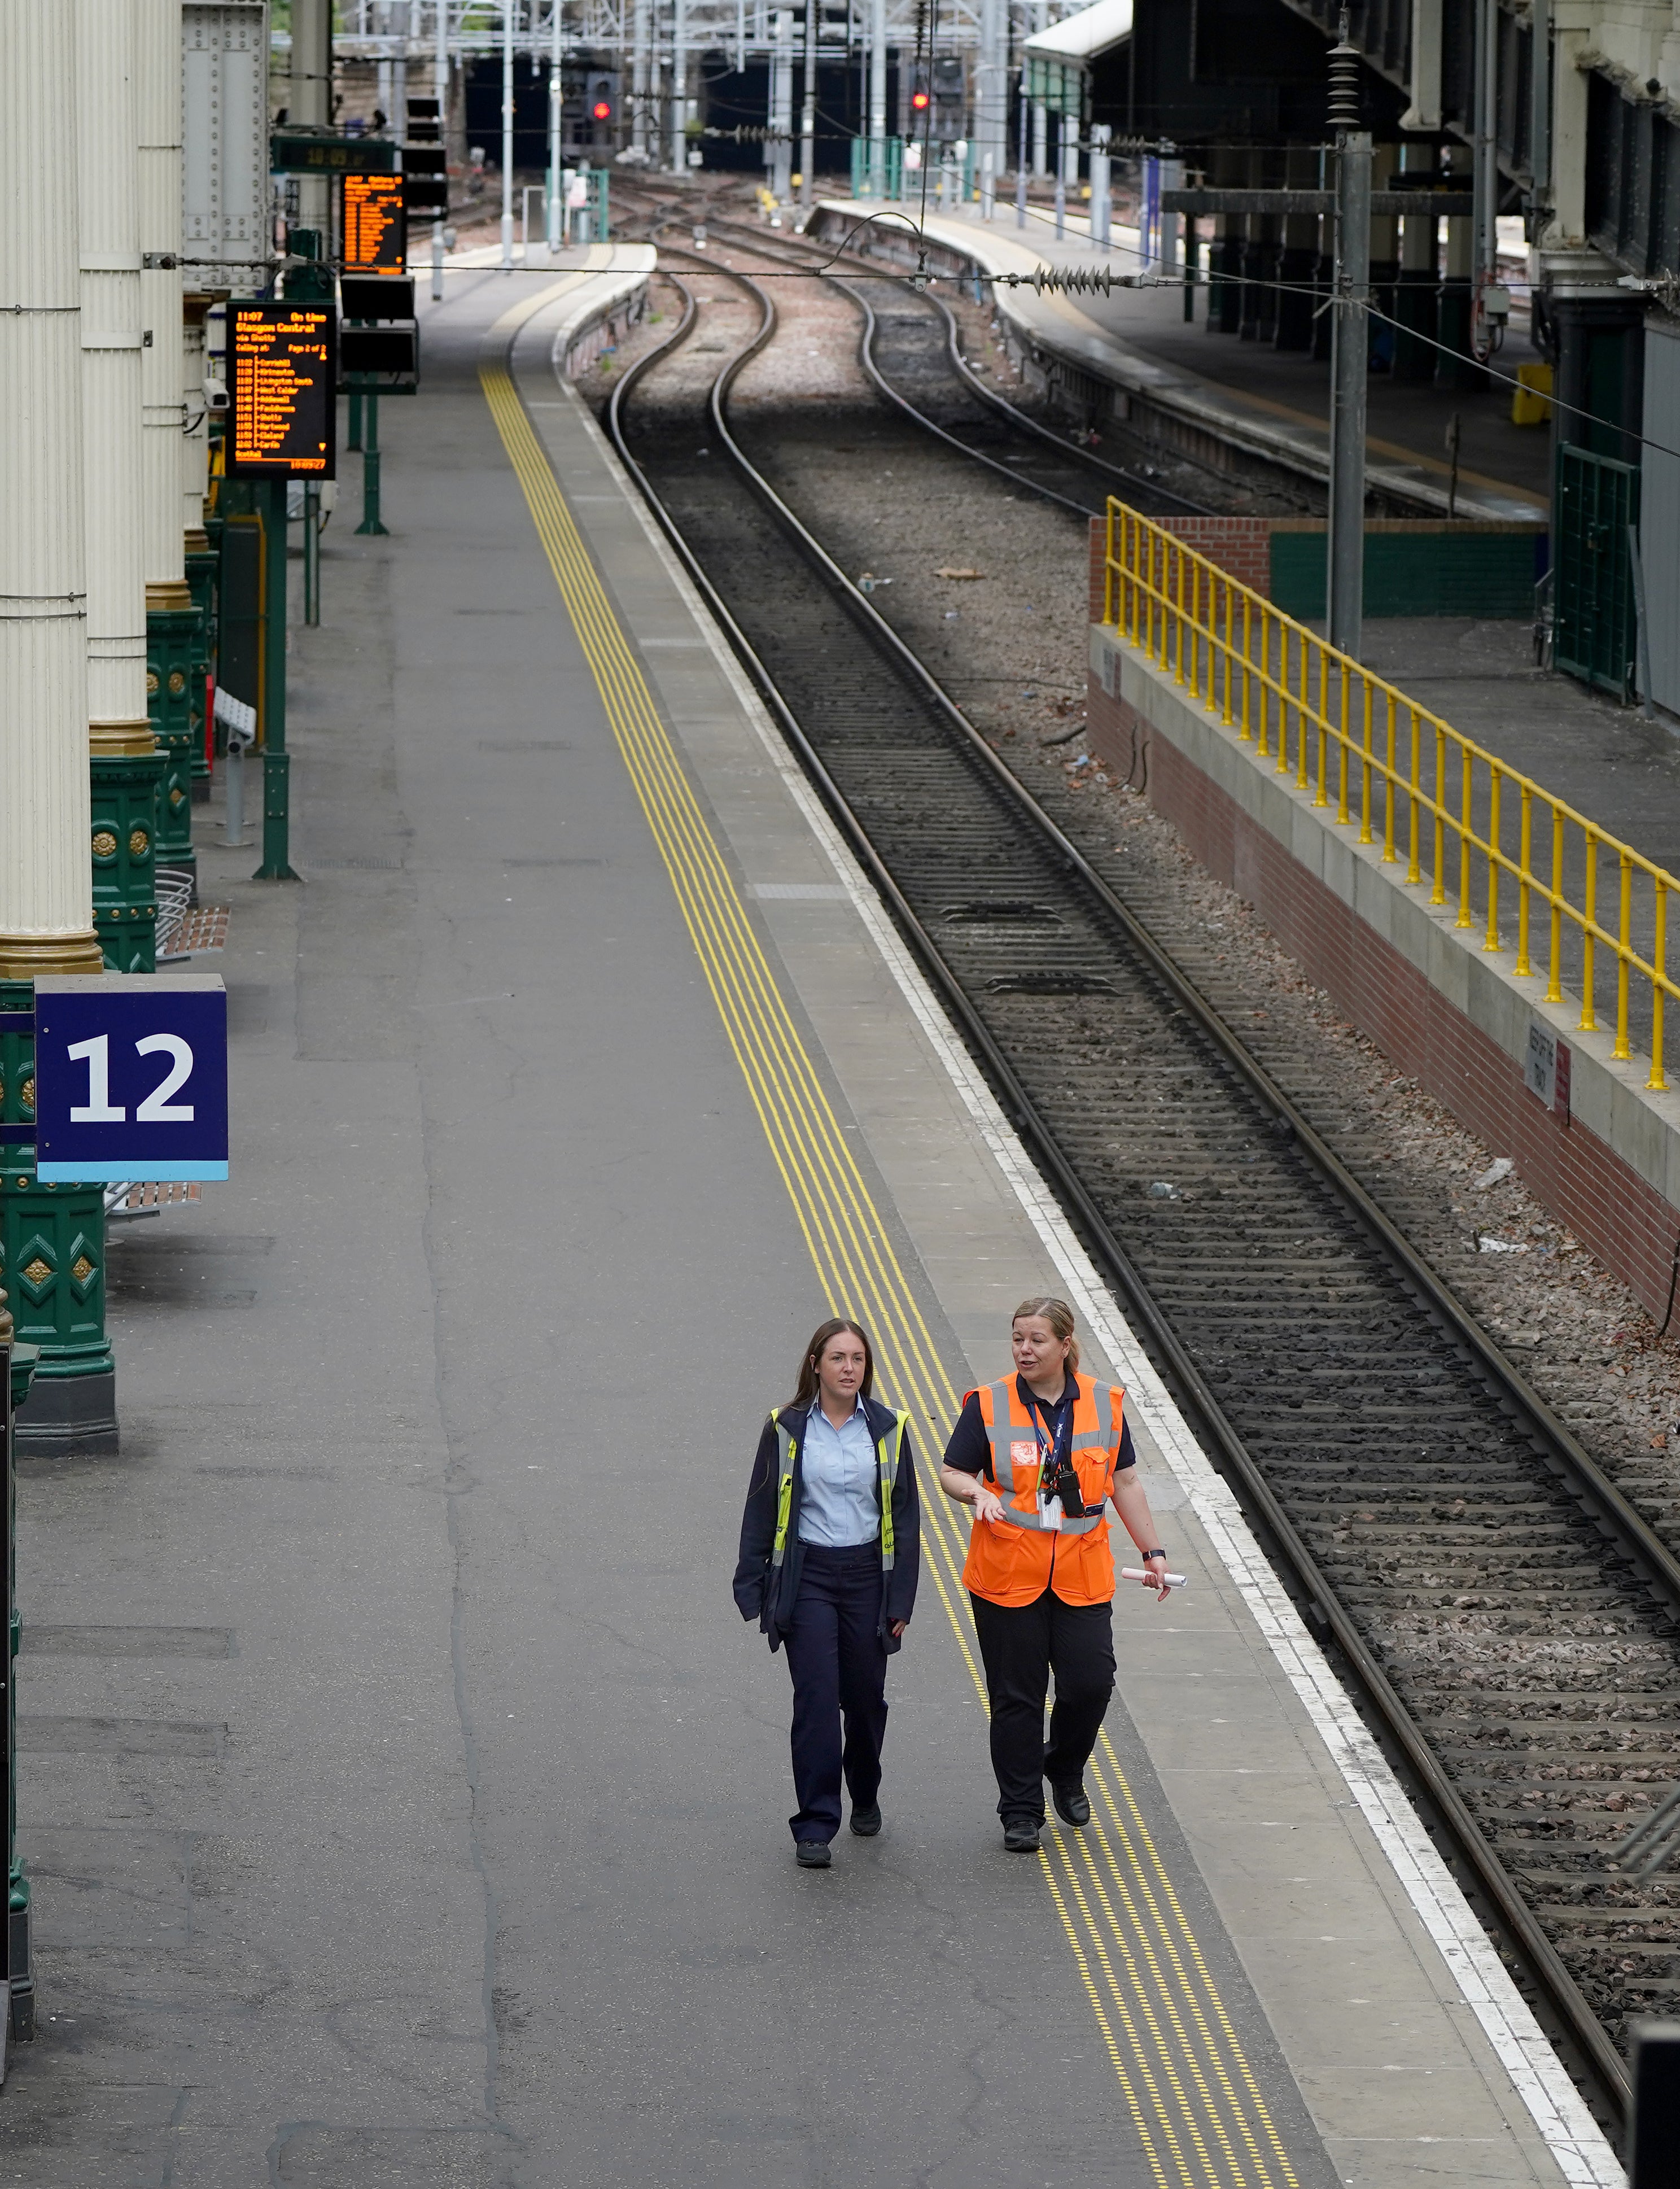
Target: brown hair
x=807, y=1390
x=1059, y=1316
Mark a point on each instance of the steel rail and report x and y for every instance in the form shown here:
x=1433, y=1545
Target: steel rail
x=1016, y=419
x=1600, y=1497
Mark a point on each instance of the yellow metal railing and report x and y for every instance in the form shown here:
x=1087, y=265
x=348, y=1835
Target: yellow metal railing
x=1355, y=741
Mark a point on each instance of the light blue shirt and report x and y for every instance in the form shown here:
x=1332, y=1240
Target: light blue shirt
x=838, y=1508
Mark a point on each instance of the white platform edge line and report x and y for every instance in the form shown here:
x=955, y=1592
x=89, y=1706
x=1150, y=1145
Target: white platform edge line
x=1555, y=2106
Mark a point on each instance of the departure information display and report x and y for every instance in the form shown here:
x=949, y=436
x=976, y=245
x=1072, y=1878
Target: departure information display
x=375, y=228
x=284, y=360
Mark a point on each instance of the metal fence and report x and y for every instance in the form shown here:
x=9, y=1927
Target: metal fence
x=1475, y=829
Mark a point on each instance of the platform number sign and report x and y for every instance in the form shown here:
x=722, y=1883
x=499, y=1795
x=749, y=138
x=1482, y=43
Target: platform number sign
x=130, y=1077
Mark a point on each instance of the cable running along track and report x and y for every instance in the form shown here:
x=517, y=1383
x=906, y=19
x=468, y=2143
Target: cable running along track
x=1506, y=1620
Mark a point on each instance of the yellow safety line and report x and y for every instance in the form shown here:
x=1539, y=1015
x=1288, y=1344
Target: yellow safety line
x=1152, y=1993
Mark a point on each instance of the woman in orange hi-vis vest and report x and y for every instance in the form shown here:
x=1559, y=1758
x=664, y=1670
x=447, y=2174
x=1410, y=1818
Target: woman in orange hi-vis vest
x=1038, y=1456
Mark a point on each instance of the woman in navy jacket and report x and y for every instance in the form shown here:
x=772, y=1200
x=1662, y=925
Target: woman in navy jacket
x=830, y=1554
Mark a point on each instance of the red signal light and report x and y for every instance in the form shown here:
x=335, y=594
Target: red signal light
x=918, y=100
x=603, y=110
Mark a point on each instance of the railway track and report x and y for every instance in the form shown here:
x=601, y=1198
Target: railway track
x=1510, y=1625
x=912, y=351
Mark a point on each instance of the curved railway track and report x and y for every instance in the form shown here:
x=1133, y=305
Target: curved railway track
x=1510, y=1625
x=911, y=353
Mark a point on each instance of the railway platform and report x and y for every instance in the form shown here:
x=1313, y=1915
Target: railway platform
x=411, y=1805
x=1273, y=403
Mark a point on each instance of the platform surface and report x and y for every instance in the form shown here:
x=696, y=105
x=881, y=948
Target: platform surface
x=404, y=1799
x=1274, y=400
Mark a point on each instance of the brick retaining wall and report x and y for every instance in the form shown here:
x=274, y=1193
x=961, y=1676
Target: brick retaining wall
x=1616, y=1188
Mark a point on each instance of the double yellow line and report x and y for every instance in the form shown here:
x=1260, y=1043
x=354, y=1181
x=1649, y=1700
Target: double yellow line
x=1193, y=2098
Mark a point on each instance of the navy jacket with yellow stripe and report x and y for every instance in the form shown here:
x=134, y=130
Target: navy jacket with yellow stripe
x=762, y=1592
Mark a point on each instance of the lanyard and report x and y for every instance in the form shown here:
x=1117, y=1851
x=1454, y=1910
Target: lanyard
x=1048, y=1469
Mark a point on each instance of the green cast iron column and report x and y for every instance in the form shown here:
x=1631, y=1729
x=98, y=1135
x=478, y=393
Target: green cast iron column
x=53, y=1264
x=276, y=865
x=126, y=772
x=202, y=562
x=172, y=636
x=17, y=1369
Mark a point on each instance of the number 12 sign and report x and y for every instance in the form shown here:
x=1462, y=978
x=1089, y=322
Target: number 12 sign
x=131, y=1076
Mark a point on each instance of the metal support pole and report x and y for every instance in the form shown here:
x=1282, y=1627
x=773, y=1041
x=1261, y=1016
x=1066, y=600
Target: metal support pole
x=1101, y=201
x=780, y=147
x=555, y=86
x=1485, y=172
x=807, y=126
x=1022, y=154
x=507, y=8
x=877, y=177
x=312, y=552
x=440, y=88
x=641, y=50
x=1540, y=108
x=276, y=865
x=1345, y=543
x=370, y=523
x=679, y=88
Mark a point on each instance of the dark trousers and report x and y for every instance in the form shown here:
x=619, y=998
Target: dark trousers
x=1020, y=1645
x=838, y=1661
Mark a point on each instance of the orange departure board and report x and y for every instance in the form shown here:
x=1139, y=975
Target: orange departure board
x=375, y=226
x=285, y=359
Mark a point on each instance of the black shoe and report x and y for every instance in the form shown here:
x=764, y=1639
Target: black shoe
x=1022, y=1837
x=1072, y=1803
x=866, y=1823
x=813, y=1854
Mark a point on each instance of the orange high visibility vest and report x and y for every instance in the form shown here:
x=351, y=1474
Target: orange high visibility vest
x=1014, y=1560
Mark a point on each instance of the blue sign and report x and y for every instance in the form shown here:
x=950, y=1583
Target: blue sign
x=131, y=1076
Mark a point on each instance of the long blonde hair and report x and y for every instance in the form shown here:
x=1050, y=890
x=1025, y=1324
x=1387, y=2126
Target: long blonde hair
x=1059, y=1316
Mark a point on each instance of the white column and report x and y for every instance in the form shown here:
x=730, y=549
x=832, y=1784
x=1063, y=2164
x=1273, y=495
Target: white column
x=46, y=876
x=1041, y=114
x=640, y=73
x=877, y=97
x=109, y=224
x=781, y=104
x=157, y=78
x=507, y=8
x=196, y=441
x=402, y=28
x=309, y=98
x=991, y=124
x=679, y=89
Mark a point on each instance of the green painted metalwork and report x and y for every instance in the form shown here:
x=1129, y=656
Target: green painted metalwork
x=202, y=566
x=1595, y=624
x=52, y=1257
x=371, y=519
x=878, y=167
x=276, y=865
x=171, y=642
x=126, y=787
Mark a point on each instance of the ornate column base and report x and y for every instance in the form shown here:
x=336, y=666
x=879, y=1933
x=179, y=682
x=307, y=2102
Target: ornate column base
x=52, y=1267
x=22, y=956
x=125, y=768
x=171, y=637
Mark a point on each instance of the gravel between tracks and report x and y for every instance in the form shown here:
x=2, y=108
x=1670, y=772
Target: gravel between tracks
x=1009, y=645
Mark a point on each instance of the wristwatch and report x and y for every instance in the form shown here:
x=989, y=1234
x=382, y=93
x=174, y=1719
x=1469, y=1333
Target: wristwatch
x=1157, y=1553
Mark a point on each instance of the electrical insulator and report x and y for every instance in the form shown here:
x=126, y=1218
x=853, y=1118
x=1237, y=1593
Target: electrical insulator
x=1343, y=81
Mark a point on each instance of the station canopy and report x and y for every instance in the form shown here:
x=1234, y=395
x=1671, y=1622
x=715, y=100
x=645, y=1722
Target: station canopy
x=1056, y=59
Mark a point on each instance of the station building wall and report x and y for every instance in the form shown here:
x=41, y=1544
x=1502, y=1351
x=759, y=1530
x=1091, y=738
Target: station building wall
x=1446, y=1012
